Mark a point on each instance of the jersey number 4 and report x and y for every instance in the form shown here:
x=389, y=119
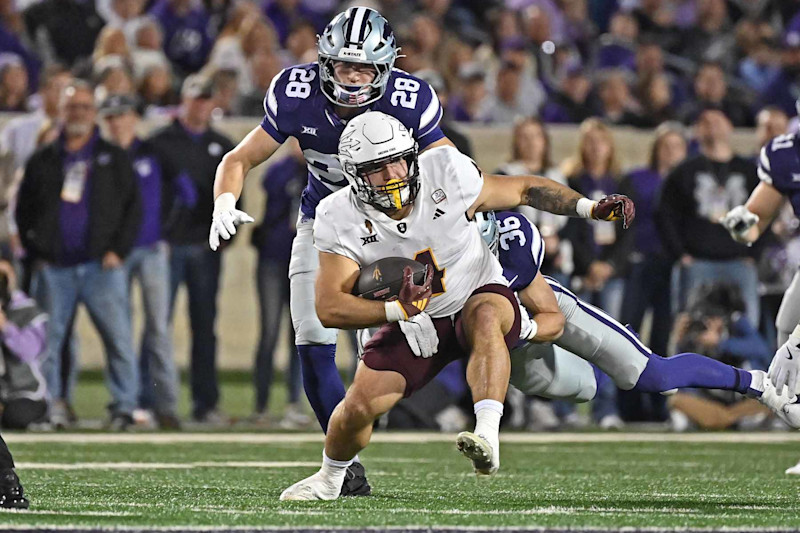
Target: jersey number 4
x=426, y=258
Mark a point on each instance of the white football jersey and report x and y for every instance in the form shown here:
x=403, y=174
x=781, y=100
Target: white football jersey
x=436, y=232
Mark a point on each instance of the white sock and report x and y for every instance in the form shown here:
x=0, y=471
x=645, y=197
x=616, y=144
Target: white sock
x=488, y=414
x=334, y=470
x=356, y=459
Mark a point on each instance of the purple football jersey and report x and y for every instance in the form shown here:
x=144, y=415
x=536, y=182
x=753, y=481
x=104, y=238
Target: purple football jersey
x=296, y=107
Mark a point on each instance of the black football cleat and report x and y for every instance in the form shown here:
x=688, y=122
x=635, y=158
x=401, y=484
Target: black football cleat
x=355, y=482
x=11, y=492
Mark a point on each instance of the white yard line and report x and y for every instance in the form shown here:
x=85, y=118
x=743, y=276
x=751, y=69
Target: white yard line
x=395, y=438
x=152, y=466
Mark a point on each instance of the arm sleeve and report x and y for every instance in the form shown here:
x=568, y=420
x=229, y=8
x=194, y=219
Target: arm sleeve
x=467, y=175
x=270, y=124
x=326, y=238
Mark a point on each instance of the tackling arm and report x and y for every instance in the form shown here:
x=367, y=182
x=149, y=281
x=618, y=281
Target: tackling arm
x=539, y=299
x=507, y=192
x=254, y=149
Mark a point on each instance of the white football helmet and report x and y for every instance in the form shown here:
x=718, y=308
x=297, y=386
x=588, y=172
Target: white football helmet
x=369, y=142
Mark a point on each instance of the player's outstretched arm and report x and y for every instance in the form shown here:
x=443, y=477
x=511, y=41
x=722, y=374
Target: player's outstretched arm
x=746, y=223
x=253, y=150
x=507, y=192
x=547, y=319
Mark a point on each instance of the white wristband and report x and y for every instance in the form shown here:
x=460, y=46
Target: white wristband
x=585, y=207
x=394, y=311
x=225, y=202
x=534, y=329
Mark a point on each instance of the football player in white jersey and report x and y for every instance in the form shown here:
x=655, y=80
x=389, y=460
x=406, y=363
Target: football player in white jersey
x=312, y=103
x=399, y=204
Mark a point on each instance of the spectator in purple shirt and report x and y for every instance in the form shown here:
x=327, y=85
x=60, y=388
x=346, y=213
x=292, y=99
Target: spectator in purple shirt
x=78, y=213
x=187, y=40
x=148, y=262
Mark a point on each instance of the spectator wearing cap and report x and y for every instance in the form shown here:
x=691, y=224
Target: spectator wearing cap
x=13, y=84
x=78, y=212
x=711, y=91
x=783, y=90
x=190, y=150
x=148, y=263
x=696, y=194
x=187, y=36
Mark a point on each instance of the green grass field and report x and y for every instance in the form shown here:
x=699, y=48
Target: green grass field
x=590, y=480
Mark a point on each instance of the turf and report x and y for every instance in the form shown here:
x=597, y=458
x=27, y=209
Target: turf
x=546, y=484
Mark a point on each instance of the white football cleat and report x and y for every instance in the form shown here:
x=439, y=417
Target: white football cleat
x=795, y=470
x=784, y=405
x=316, y=487
x=479, y=451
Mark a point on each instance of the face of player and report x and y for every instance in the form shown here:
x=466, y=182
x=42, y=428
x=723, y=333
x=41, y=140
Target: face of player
x=354, y=74
x=391, y=172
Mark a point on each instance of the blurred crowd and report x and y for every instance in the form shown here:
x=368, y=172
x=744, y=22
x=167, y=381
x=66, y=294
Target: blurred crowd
x=81, y=74
x=631, y=62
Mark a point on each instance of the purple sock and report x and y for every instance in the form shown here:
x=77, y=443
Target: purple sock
x=692, y=370
x=321, y=380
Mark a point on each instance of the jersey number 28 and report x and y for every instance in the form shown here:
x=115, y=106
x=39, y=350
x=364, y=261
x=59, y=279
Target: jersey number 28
x=299, y=85
x=405, y=92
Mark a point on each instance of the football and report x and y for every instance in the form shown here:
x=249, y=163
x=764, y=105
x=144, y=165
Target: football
x=382, y=279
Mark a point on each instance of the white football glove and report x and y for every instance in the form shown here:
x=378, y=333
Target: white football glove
x=225, y=219
x=738, y=222
x=421, y=335
x=785, y=367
